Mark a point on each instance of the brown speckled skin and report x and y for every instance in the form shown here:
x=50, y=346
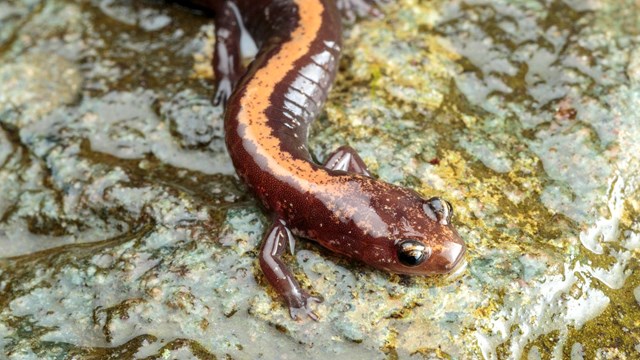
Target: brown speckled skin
x=266, y=123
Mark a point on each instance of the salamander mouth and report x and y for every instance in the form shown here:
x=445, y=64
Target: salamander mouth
x=454, y=264
x=446, y=260
x=458, y=269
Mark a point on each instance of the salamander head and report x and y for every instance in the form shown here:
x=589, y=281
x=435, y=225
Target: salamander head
x=439, y=251
x=423, y=242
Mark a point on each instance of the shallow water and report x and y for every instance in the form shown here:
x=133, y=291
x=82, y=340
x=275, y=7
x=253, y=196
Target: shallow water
x=124, y=231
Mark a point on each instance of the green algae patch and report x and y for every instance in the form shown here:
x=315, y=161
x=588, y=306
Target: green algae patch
x=125, y=234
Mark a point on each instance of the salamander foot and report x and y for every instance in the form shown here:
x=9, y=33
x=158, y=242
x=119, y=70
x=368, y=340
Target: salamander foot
x=352, y=9
x=227, y=56
x=278, y=274
x=299, y=313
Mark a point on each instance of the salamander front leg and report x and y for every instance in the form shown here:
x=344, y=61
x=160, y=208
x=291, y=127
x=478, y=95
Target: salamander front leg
x=279, y=276
x=345, y=158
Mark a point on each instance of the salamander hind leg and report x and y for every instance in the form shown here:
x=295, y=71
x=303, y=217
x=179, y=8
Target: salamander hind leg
x=227, y=56
x=280, y=277
x=345, y=158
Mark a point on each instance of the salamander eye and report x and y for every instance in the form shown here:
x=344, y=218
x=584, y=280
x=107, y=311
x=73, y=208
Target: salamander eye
x=412, y=252
x=438, y=210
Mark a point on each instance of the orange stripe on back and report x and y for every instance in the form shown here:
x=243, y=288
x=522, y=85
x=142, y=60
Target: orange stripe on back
x=252, y=117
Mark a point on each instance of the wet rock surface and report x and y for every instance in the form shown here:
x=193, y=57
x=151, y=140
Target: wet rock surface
x=124, y=232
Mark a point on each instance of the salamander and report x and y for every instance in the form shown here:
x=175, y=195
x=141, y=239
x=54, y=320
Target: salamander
x=269, y=106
